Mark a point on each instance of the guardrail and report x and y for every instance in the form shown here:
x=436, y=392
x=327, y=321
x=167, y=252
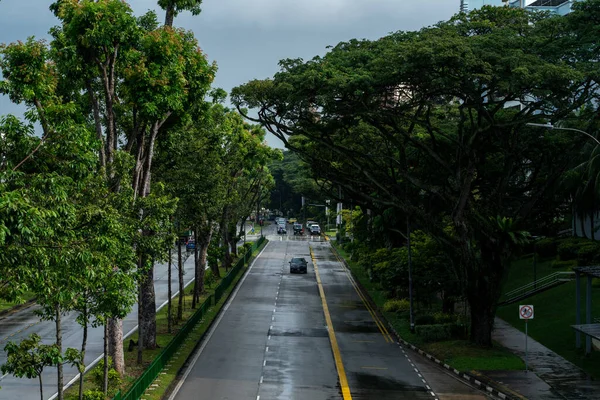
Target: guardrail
x=537, y=286
x=145, y=380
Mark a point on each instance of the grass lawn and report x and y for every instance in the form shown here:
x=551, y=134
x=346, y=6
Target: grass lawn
x=168, y=375
x=459, y=354
x=522, y=272
x=551, y=326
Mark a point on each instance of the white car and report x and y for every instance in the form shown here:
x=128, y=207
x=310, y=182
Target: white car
x=315, y=229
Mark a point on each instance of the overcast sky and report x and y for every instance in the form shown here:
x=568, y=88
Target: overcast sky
x=247, y=38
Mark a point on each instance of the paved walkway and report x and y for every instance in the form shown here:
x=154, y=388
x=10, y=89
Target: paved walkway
x=552, y=378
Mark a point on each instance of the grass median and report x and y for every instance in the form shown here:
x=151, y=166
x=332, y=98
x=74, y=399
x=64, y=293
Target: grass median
x=459, y=354
x=163, y=383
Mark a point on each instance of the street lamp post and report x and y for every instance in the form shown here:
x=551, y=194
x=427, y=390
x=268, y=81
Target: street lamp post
x=550, y=126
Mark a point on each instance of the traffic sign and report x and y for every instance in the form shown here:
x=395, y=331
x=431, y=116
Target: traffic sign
x=526, y=311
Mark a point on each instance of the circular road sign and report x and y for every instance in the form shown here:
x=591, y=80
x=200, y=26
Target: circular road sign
x=526, y=311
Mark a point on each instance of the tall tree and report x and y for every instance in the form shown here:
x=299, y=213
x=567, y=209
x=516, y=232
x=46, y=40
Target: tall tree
x=421, y=122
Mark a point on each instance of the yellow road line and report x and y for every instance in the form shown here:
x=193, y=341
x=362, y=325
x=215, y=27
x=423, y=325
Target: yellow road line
x=378, y=322
x=334, y=345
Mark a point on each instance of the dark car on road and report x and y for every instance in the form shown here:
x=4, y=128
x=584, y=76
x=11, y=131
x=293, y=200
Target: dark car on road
x=299, y=264
x=298, y=230
x=281, y=229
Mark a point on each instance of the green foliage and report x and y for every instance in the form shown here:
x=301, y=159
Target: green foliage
x=588, y=254
x=92, y=394
x=392, y=124
x=568, y=248
x=424, y=319
x=436, y=332
x=396, y=305
x=247, y=247
x=209, y=278
x=444, y=318
x=114, y=378
x=546, y=247
x=29, y=357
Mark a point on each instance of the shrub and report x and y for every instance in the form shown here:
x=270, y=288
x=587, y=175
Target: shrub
x=396, y=305
x=93, y=395
x=546, y=247
x=114, y=379
x=588, y=254
x=247, y=247
x=567, y=249
x=443, y=318
x=436, y=332
x=209, y=278
x=424, y=319
x=563, y=265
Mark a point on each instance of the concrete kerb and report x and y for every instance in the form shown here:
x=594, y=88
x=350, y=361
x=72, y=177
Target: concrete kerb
x=493, y=388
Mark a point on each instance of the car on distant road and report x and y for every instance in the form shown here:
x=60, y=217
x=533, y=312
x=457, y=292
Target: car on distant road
x=190, y=245
x=315, y=229
x=298, y=230
x=298, y=264
x=281, y=229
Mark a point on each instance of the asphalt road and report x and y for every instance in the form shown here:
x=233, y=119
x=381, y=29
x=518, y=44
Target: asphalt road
x=309, y=336
x=19, y=325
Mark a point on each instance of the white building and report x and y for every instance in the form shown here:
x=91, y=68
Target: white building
x=560, y=7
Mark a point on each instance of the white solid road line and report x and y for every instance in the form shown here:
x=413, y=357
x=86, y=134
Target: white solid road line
x=212, y=329
x=97, y=360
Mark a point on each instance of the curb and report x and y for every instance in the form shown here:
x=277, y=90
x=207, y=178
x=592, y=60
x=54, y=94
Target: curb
x=494, y=389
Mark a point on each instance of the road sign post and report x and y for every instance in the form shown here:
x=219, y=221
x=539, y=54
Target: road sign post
x=526, y=313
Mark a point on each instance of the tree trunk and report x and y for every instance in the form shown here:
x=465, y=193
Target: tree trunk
x=203, y=250
x=105, y=377
x=169, y=291
x=149, y=309
x=83, y=344
x=196, y=293
x=483, y=288
x=482, y=322
x=140, y=342
x=223, y=229
x=115, y=344
x=170, y=14
x=181, y=288
x=59, y=367
x=41, y=387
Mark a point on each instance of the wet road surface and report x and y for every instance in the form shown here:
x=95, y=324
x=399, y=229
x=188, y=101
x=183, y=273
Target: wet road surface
x=306, y=336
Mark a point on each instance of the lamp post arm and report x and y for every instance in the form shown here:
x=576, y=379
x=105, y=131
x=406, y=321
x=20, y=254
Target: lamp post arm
x=550, y=126
x=580, y=131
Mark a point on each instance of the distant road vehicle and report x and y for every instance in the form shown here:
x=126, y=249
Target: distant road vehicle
x=298, y=264
x=315, y=229
x=298, y=230
x=190, y=245
x=281, y=229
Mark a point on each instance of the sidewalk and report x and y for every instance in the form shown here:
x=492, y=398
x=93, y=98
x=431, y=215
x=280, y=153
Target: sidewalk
x=550, y=377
